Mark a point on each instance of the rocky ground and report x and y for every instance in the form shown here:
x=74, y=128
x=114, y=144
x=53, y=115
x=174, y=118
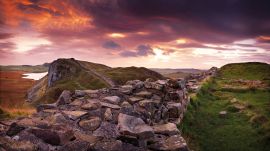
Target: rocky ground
x=136, y=116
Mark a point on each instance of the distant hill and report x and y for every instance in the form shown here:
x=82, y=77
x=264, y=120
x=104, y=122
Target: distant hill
x=26, y=68
x=71, y=74
x=169, y=70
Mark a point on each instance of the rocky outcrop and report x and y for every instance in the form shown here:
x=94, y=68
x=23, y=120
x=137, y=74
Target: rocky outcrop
x=136, y=116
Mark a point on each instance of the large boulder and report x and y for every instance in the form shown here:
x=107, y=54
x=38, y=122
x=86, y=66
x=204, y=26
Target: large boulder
x=64, y=98
x=130, y=125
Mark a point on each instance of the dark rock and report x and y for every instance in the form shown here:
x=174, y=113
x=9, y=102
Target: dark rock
x=47, y=136
x=14, y=129
x=76, y=145
x=108, y=145
x=42, y=107
x=107, y=130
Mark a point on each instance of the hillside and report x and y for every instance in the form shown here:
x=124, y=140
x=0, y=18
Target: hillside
x=26, y=68
x=231, y=111
x=71, y=74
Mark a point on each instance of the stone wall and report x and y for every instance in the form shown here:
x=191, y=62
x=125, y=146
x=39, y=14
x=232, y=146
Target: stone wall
x=136, y=116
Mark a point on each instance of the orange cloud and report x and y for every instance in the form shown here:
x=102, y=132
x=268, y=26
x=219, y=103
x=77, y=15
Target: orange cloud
x=45, y=14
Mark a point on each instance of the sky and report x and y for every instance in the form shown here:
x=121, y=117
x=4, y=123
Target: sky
x=150, y=33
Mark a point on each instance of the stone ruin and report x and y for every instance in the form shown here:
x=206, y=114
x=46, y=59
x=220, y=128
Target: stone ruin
x=137, y=116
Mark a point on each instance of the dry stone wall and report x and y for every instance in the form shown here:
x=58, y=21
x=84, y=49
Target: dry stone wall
x=137, y=116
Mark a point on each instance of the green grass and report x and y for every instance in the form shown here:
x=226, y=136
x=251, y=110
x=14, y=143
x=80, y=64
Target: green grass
x=247, y=130
x=122, y=75
x=246, y=71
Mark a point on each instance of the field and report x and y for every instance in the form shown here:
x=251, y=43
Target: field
x=246, y=126
x=13, y=89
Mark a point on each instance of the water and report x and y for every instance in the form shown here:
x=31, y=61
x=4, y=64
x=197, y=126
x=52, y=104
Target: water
x=34, y=76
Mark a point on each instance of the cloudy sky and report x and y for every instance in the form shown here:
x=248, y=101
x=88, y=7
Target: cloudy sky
x=150, y=33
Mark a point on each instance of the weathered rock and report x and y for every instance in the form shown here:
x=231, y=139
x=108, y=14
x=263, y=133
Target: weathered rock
x=148, y=104
x=74, y=114
x=108, y=115
x=14, y=129
x=86, y=137
x=79, y=93
x=112, y=99
x=130, y=125
x=13, y=145
x=42, y=107
x=64, y=98
x=91, y=105
x=109, y=105
x=90, y=124
x=166, y=129
x=174, y=109
x=47, y=136
x=126, y=89
x=77, y=102
x=108, y=145
x=134, y=100
x=107, y=130
x=172, y=143
x=144, y=94
x=75, y=145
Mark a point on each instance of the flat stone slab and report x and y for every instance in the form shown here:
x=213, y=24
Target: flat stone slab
x=144, y=94
x=77, y=102
x=133, y=126
x=166, y=129
x=90, y=124
x=172, y=143
x=134, y=100
x=112, y=106
x=112, y=99
x=74, y=114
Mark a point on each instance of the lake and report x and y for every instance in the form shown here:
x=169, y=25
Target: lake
x=34, y=76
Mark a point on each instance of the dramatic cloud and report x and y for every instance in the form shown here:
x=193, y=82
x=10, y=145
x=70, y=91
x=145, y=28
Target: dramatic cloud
x=111, y=45
x=141, y=50
x=160, y=33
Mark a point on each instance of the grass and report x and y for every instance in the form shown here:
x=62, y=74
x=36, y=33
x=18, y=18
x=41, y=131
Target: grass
x=244, y=130
x=13, y=90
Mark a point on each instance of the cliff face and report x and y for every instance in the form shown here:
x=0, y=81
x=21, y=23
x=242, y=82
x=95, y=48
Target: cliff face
x=62, y=68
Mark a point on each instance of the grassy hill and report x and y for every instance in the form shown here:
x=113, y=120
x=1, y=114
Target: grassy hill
x=82, y=75
x=246, y=126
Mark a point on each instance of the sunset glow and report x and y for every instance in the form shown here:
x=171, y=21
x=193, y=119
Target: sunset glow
x=37, y=31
